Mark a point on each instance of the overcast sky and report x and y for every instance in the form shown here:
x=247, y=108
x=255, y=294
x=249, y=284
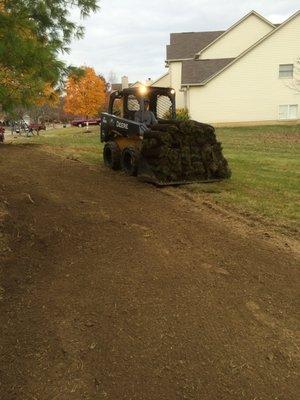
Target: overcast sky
x=129, y=37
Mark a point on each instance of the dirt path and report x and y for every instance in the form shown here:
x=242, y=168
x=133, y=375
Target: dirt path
x=113, y=289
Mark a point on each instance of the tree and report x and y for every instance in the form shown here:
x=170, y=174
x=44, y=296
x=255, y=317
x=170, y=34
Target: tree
x=85, y=95
x=47, y=105
x=32, y=34
x=49, y=96
x=49, y=19
x=295, y=84
x=112, y=77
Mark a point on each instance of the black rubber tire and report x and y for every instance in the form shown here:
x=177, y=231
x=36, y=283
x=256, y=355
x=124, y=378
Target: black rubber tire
x=112, y=155
x=129, y=161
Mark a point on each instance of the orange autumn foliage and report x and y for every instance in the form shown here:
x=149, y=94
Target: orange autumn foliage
x=50, y=96
x=86, y=95
x=8, y=77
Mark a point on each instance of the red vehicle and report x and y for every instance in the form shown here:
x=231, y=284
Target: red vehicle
x=83, y=122
x=36, y=127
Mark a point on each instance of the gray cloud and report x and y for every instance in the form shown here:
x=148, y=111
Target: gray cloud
x=130, y=36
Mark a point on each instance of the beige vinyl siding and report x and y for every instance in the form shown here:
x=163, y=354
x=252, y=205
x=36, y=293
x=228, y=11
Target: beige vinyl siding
x=163, y=81
x=237, y=40
x=137, y=84
x=250, y=89
x=175, y=83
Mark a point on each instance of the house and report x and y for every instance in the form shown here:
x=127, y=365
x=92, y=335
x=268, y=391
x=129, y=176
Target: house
x=244, y=74
x=125, y=84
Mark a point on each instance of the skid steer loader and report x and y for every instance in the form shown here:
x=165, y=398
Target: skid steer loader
x=170, y=152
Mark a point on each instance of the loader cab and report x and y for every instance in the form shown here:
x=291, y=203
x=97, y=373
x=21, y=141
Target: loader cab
x=122, y=135
x=125, y=103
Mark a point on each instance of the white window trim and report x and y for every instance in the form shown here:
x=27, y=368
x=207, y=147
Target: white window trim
x=288, y=106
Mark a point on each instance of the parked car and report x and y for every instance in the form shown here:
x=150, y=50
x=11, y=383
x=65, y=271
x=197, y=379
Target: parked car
x=83, y=122
x=36, y=127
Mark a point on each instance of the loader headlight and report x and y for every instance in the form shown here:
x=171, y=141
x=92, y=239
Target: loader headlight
x=172, y=91
x=143, y=90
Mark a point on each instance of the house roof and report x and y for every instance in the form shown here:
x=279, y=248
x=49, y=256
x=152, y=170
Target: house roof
x=186, y=44
x=197, y=71
x=116, y=86
x=159, y=78
x=234, y=60
x=251, y=13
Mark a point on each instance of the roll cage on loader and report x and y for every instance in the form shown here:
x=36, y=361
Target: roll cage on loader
x=123, y=136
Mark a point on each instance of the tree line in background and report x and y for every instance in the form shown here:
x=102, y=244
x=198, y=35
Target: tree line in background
x=32, y=77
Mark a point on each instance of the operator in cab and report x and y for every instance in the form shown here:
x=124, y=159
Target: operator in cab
x=145, y=117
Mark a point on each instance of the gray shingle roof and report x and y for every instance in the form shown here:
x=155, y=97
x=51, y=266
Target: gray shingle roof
x=187, y=44
x=197, y=71
x=116, y=86
x=184, y=47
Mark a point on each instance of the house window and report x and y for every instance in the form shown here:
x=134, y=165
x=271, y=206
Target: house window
x=286, y=70
x=288, y=111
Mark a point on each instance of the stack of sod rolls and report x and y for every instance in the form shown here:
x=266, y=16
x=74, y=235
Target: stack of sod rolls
x=184, y=151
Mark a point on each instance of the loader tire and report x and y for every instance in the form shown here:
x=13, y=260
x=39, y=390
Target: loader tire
x=129, y=161
x=112, y=155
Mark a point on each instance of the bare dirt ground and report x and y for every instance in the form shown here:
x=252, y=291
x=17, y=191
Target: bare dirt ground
x=113, y=289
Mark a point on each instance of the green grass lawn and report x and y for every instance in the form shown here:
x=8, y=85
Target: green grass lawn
x=265, y=166
x=73, y=142
x=264, y=160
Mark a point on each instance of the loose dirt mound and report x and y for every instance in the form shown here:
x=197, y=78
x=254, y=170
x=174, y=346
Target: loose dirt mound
x=111, y=289
x=184, y=151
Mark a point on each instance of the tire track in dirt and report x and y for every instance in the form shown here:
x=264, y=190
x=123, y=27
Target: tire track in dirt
x=114, y=290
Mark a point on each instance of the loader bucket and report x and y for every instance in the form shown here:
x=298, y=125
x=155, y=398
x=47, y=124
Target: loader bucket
x=145, y=174
x=177, y=153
